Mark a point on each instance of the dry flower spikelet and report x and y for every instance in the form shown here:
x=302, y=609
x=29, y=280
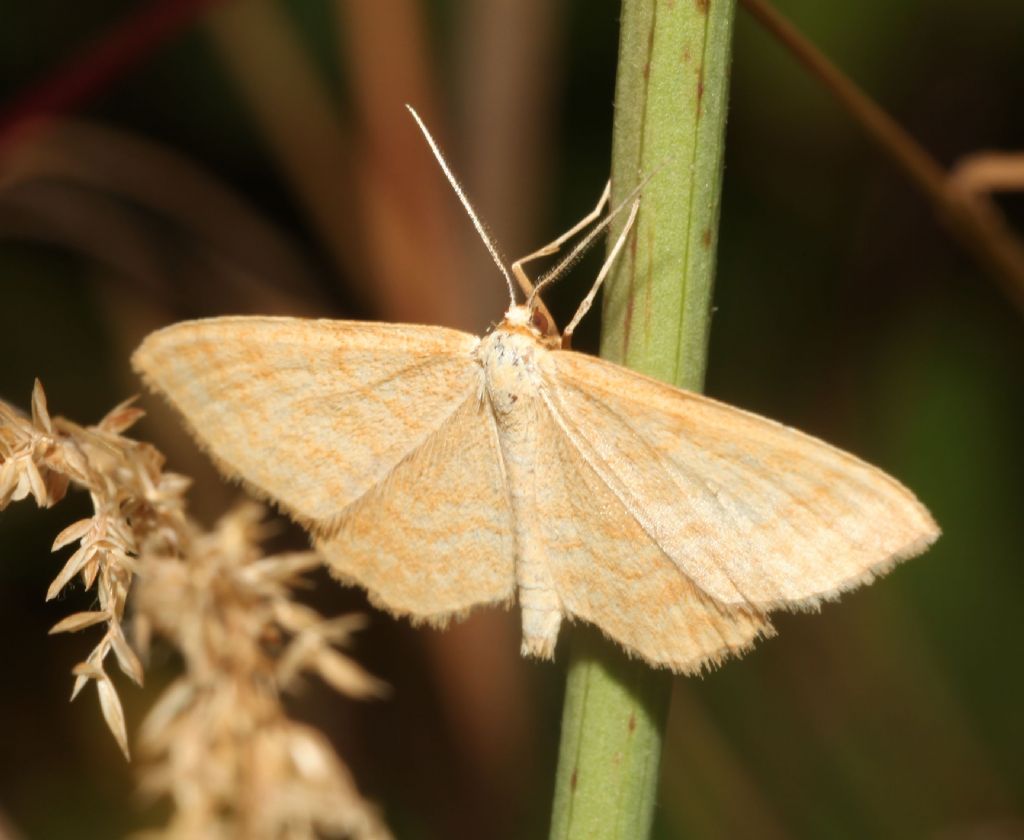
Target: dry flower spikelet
x=137, y=509
x=218, y=741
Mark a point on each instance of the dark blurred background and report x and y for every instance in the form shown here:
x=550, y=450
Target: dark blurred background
x=254, y=156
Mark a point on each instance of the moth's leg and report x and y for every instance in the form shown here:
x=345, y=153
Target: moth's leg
x=588, y=301
x=553, y=247
x=545, y=322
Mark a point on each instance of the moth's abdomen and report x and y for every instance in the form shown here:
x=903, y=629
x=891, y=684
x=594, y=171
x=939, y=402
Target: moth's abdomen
x=539, y=604
x=510, y=362
x=541, y=612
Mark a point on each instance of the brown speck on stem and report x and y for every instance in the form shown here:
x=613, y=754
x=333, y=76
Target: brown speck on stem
x=628, y=324
x=705, y=238
x=648, y=298
x=628, y=319
x=572, y=779
x=702, y=6
x=632, y=722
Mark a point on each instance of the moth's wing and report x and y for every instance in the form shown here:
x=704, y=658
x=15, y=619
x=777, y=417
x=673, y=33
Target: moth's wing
x=750, y=510
x=608, y=570
x=312, y=413
x=435, y=537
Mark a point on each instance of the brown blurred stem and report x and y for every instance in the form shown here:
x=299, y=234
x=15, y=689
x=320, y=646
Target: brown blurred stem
x=973, y=219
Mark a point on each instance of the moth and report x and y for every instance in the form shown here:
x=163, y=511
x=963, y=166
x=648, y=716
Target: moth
x=441, y=470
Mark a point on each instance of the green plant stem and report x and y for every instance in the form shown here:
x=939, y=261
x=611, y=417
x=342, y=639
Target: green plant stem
x=670, y=105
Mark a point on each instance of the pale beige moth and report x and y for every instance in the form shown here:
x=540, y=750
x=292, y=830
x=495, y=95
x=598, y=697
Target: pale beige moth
x=441, y=470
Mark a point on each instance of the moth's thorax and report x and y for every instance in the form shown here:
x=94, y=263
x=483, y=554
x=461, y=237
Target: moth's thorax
x=512, y=357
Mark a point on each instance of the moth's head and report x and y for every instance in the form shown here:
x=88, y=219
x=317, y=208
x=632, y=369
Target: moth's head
x=532, y=320
x=520, y=315
x=526, y=318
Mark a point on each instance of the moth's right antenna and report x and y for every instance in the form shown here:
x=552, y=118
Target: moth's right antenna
x=480, y=229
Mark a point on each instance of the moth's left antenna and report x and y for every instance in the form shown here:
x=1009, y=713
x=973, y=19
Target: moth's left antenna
x=480, y=229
